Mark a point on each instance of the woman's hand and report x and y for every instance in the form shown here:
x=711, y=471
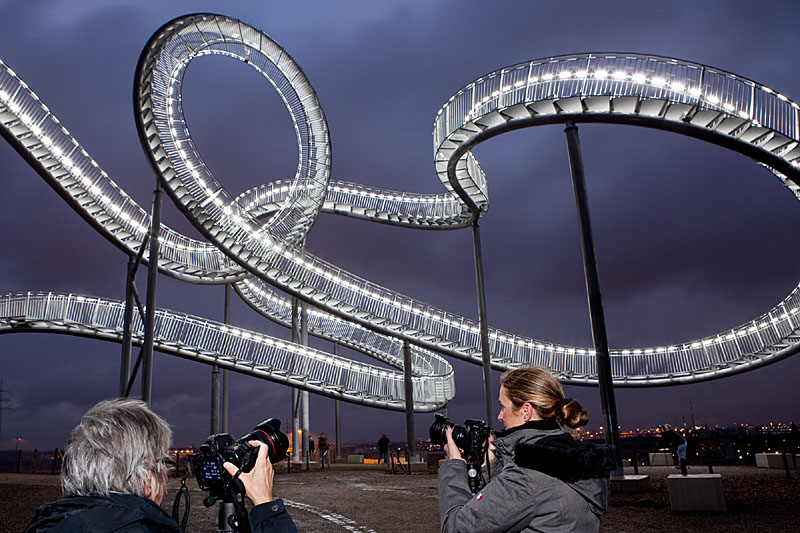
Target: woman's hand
x=489, y=451
x=258, y=481
x=450, y=449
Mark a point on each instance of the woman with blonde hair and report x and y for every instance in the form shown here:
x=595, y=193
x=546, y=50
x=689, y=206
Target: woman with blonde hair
x=541, y=478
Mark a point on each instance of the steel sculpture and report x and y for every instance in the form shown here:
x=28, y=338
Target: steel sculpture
x=254, y=239
x=247, y=352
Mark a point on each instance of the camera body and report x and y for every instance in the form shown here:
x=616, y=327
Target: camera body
x=218, y=449
x=472, y=438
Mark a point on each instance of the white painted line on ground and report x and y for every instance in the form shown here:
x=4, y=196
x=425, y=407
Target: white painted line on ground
x=347, y=523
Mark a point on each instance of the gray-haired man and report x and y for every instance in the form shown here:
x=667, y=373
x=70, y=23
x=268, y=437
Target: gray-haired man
x=114, y=477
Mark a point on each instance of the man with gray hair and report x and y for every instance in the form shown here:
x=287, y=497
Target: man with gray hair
x=114, y=476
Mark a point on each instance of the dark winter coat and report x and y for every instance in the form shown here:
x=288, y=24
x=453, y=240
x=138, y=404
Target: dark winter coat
x=669, y=440
x=541, y=480
x=100, y=514
x=133, y=514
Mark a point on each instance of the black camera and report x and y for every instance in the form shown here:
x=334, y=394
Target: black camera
x=472, y=438
x=221, y=448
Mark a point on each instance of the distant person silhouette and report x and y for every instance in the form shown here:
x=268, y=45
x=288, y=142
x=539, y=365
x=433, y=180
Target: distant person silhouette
x=323, y=449
x=794, y=438
x=673, y=441
x=383, y=448
x=311, y=448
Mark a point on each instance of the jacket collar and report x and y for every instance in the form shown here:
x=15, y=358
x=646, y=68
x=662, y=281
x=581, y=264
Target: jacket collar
x=547, y=424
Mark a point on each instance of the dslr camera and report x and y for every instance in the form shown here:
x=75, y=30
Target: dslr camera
x=221, y=448
x=472, y=438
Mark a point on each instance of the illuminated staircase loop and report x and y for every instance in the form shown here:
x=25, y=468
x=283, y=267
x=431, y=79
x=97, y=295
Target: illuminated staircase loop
x=248, y=352
x=254, y=237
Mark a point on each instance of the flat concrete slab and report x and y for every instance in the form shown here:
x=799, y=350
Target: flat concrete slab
x=630, y=483
x=355, y=459
x=312, y=465
x=419, y=466
x=773, y=460
x=661, y=459
x=696, y=492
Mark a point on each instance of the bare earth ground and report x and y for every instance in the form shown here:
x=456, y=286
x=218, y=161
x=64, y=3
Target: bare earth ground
x=365, y=500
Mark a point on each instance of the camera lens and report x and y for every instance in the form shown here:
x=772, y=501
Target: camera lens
x=438, y=431
x=269, y=432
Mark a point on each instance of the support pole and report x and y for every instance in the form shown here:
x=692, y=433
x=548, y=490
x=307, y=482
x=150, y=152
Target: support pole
x=608, y=403
x=484, y=325
x=304, y=394
x=295, y=425
x=152, y=276
x=296, y=456
x=215, y=400
x=337, y=416
x=225, y=373
x=127, y=335
x=409, y=393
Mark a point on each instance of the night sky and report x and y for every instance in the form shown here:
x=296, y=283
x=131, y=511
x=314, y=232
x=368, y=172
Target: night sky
x=691, y=239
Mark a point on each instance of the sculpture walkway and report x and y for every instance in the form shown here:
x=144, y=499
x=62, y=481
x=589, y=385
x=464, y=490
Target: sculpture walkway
x=255, y=240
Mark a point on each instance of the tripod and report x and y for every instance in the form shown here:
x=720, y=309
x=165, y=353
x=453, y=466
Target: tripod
x=232, y=516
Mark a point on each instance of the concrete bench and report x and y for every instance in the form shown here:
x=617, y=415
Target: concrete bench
x=355, y=459
x=418, y=466
x=696, y=492
x=772, y=460
x=630, y=483
x=661, y=459
x=298, y=466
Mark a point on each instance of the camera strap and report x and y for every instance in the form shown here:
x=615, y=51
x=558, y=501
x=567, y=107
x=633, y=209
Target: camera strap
x=177, y=504
x=236, y=491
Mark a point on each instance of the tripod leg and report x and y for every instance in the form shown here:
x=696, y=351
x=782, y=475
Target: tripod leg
x=226, y=512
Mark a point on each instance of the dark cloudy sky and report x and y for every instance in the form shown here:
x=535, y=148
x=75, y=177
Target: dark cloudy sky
x=691, y=239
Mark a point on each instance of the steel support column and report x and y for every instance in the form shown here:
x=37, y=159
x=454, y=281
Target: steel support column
x=484, y=325
x=152, y=276
x=296, y=442
x=225, y=373
x=215, y=400
x=295, y=425
x=609, y=406
x=337, y=416
x=304, y=394
x=127, y=335
x=411, y=438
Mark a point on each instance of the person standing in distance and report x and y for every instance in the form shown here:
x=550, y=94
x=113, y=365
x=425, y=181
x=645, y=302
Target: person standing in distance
x=541, y=479
x=383, y=448
x=323, y=449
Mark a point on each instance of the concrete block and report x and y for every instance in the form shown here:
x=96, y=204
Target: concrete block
x=419, y=466
x=772, y=460
x=661, y=459
x=298, y=466
x=696, y=492
x=355, y=459
x=630, y=483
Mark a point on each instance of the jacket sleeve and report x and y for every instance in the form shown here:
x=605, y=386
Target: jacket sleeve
x=491, y=471
x=271, y=517
x=507, y=503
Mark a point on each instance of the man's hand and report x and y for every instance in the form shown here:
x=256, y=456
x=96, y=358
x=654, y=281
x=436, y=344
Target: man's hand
x=257, y=482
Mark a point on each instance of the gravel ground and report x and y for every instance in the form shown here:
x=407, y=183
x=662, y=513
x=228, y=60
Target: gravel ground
x=364, y=500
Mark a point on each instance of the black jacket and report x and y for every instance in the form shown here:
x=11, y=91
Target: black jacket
x=670, y=439
x=101, y=514
x=129, y=513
